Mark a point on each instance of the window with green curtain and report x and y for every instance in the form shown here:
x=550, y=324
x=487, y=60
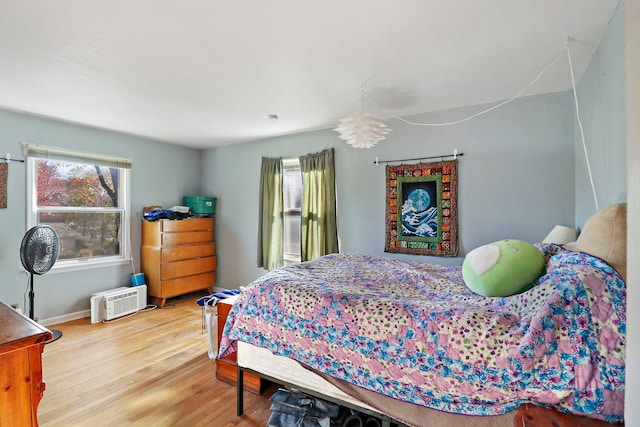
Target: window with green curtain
x=318, y=231
x=271, y=215
x=319, y=234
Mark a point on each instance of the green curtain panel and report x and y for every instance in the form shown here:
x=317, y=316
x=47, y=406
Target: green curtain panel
x=271, y=214
x=319, y=234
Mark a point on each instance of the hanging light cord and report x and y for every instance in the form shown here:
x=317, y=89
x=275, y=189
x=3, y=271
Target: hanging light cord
x=584, y=145
x=513, y=98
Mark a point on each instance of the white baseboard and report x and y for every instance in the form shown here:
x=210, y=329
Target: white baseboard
x=87, y=313
x=65, y=318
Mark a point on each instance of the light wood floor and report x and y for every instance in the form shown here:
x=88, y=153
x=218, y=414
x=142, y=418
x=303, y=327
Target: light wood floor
x=147, y=370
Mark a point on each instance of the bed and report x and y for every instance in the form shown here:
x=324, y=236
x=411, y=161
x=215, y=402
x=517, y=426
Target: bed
x=411, y=342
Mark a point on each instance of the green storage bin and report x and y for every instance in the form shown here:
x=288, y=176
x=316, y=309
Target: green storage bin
x=200, y=204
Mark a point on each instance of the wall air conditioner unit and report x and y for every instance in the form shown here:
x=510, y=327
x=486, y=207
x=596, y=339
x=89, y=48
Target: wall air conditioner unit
x=117, y=302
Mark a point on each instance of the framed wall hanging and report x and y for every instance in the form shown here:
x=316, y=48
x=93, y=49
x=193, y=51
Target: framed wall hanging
x=421, y=211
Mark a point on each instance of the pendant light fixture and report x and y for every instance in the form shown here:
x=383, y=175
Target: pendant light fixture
x=361, y=129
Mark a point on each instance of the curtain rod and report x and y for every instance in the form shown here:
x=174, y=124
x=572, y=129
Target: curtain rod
x=454, y=155
x=7, y=158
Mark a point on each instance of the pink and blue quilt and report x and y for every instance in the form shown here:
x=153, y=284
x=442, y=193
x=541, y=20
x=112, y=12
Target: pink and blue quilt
x=415, y=332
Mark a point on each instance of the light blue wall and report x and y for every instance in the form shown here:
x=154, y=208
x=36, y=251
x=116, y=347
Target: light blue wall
x=516, y=180
x=161, y=174
x=601, y=101
x=523, y=172
x=632, y=62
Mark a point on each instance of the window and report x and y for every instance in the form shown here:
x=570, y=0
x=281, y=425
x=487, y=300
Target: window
x=85, y=199
x=292, y=201
x=297, y=209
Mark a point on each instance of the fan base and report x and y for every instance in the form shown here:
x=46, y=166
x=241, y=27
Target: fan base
x=56, y=336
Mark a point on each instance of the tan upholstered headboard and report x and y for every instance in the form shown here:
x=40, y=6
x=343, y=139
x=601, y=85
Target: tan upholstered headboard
x=605, y=236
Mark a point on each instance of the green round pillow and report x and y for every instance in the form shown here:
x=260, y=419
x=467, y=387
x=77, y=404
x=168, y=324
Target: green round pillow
x=503, y=268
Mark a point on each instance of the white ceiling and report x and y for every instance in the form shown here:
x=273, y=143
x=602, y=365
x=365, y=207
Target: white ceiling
x=204, y=73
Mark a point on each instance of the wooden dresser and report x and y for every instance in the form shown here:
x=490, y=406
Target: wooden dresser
x=178, y=256
x=21, y=386
x=227, y=369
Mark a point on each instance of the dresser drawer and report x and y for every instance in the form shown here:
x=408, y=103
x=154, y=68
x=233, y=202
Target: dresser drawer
x=173, y=239
x=180, y=253
x=173, y=270
x=183, y=285
x=195, y=224
x=156, y=233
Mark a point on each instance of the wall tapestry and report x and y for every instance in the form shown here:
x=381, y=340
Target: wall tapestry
x=421, y=209
x=4, y=168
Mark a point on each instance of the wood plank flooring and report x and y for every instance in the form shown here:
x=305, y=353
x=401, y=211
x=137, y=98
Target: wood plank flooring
x=150, y=369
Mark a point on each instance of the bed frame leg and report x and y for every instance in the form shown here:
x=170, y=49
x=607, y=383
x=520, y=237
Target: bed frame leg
x=240, y=392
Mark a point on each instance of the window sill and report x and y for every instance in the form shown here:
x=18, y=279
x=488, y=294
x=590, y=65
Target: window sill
x=291, y=260
x=87, y=264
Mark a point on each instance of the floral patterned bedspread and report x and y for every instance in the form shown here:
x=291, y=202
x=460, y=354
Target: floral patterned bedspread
x=416, y=333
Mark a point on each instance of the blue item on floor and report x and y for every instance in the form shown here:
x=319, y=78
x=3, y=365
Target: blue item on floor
x=218, y=296
x=137, y=279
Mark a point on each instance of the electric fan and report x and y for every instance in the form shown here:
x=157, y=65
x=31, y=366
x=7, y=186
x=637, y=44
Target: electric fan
x=38, y=253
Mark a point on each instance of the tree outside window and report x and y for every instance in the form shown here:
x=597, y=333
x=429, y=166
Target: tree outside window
x=84, y=205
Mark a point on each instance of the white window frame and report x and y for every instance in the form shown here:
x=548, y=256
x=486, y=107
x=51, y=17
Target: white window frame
x=124, y=197
x=289, y=164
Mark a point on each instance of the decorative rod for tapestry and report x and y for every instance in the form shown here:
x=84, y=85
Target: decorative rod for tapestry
x=7, y=158
x=454, y=155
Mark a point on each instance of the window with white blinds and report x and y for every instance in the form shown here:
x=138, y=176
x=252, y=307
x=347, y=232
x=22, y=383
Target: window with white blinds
x=292, y=200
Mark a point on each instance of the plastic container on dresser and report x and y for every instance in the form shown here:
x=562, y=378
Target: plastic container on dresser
x=200, y=204
x=178, y=257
